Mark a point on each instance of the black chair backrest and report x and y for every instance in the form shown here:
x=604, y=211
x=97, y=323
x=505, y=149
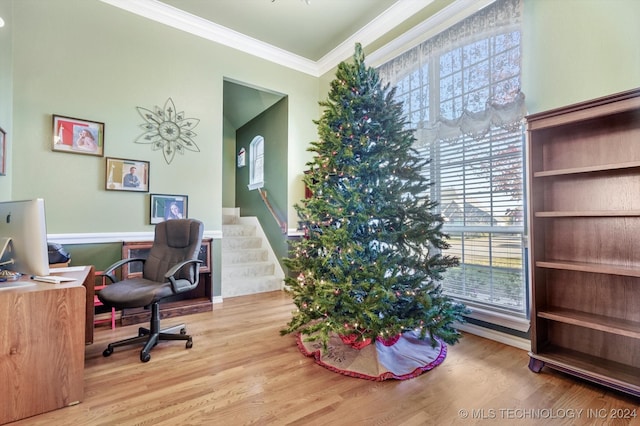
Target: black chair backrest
x=175, y=241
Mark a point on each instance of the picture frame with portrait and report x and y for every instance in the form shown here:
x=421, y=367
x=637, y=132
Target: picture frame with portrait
x=166, y=207
x=78, y=136
x=126, y=175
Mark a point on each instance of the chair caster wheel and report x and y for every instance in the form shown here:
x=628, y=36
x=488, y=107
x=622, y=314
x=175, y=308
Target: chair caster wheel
x=141, y=332
x=145, y=356
x=107, y=351
x=183, y=331
x=189, y=344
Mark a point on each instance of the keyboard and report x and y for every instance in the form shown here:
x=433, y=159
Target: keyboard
x=54, y=279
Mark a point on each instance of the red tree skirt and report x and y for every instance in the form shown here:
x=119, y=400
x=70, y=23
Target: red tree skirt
x=408, y=358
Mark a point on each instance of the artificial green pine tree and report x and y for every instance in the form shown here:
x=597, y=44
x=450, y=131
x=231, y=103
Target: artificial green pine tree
x=371, y=259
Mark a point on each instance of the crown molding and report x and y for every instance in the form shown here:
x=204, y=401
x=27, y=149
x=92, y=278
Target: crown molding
x=447, y=17
x=393, y=16
x=181, y=20
x=390, y=18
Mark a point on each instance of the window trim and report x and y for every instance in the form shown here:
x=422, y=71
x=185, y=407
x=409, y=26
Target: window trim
x=256, y=153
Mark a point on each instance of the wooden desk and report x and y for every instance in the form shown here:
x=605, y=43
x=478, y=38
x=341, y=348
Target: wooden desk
x=42, y=342
x=87, y=278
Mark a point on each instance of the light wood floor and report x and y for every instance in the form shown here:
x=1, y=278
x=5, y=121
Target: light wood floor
x=241, y=371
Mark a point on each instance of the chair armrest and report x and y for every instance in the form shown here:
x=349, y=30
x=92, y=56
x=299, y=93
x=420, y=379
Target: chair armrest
x=109, y=271
x=182, y=285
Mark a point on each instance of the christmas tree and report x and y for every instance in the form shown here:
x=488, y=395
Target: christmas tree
x=371, y=260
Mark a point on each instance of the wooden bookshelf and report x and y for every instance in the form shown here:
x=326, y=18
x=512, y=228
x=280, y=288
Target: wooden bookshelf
x=584, y=173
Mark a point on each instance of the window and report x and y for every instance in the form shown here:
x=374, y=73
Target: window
x=480, y=185
x=256, y=163
x=461, y=92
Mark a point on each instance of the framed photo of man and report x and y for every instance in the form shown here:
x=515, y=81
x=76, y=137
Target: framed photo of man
x=127, y=175
x=166, y=207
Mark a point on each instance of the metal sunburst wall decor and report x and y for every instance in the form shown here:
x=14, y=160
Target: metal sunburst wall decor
x=168, y=130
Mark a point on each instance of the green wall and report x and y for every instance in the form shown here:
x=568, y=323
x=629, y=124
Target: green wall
x=575, y=50
x=99, y=255
x=6, y=93
x=271, y=125
x=87, y=59
x=229, y=165
x=90, y=60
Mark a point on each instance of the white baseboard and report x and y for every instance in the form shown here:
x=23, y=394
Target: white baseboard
x=498, y=336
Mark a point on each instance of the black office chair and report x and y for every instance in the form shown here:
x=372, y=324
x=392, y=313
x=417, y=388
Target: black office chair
x=171, y=268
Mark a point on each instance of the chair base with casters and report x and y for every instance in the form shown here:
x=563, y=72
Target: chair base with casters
x=151, y=336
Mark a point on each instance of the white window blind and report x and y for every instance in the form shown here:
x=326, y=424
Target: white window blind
x=480, y=186
x=461, y=92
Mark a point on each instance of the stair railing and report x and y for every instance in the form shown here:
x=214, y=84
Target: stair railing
x=281, y=223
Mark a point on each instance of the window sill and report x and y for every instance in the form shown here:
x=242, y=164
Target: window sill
x=495, y=335
x=503, y=320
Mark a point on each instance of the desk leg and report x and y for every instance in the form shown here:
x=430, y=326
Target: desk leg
x=89, y=283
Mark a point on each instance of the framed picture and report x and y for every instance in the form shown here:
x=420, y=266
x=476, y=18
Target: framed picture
x=78, y=136
x=167, y=207
x=127, y=175
x=241, y=158
x=3, y=152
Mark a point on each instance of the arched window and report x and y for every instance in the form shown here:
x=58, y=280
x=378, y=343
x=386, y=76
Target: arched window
x=256, y=163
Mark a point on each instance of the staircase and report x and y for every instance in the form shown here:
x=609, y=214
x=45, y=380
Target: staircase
x=248, y=264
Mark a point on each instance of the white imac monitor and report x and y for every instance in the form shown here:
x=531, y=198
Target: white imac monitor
x=23, y=237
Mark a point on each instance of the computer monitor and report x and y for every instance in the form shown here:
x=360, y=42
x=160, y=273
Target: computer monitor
x=23, y=237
